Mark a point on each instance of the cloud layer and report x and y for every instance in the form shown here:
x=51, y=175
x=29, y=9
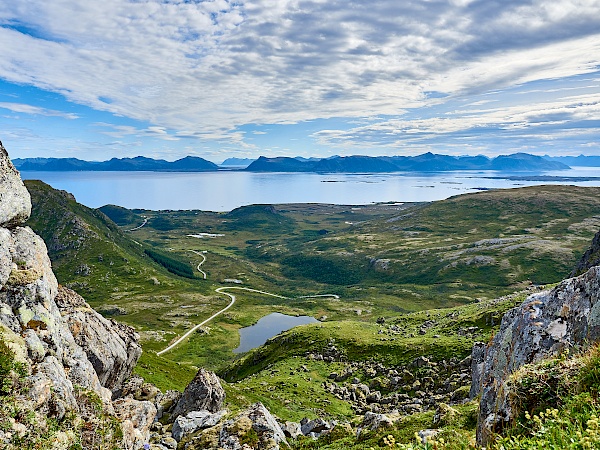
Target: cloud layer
x=203, y=69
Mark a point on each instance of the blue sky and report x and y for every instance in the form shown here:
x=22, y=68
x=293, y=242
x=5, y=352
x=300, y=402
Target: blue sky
x=218, y=78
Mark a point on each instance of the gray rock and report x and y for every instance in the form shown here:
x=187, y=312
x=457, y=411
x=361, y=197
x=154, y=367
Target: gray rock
x=258, y=419
x=165, y=402
x=136, y=418
x=111, y=347
x=428, y=435
x=373, y=421
x=544, y=325
x=291, y=429
x=203, y=393
x=6, y=263
x=15, y=202
x=194, y=421
x=477, y=359
x=169, y=443
x=316, y=426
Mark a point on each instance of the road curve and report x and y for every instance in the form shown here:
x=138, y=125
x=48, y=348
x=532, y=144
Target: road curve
x=140, y=226
x=200, y=263
x=182, y=338
x=222, y=290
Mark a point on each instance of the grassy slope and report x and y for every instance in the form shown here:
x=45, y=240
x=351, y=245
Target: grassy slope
x=405, y=258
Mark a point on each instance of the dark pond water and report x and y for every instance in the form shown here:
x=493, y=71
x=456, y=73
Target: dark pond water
x=267, y=327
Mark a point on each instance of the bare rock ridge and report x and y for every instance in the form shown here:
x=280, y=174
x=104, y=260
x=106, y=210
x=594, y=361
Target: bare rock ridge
x=15, y=203
x=544, y=325
x=68, y=352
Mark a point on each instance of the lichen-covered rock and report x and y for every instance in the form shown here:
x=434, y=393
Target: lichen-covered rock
x=111, y=347
x=136, y=418
x=544, y=325
x=203, y=393
x=374, y=421
x=15, y=202
x=194, y=421
x=58, y=380
x=257, y=425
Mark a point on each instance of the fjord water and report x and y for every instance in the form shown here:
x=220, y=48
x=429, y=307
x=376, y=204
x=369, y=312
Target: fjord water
x=226, y=190
x=267, y=327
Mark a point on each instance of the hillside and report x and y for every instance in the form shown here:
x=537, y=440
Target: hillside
x=369, y=358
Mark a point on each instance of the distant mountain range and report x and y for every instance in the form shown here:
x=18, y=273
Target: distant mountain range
x=237, y=162
x=139, y=163
x=581, y=160
x=427, y=162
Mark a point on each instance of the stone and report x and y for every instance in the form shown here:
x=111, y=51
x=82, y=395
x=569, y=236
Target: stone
x=291, y=429
x=373, y=421
x=203, y=393
x=428, y=435
x=258, y=419
x=316, y=426
x=194, y=421
x=15, y=202
x=477, y=359
x=165, y=402
x=136, y=418
x=112, y=348
x=544, y=325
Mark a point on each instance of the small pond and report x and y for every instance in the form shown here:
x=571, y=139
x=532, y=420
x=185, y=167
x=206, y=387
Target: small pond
x=267, y=327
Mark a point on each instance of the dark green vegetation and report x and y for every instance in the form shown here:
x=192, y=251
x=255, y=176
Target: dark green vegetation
x=387, y=260
x=171, y=264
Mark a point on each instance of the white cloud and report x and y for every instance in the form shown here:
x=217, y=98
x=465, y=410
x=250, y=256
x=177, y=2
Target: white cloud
x=203, y=68
x=36, y=110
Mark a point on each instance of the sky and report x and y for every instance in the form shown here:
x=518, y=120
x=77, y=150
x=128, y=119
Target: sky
x=219, y=79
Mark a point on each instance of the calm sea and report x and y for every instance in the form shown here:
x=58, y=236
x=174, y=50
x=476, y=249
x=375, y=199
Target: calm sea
x=226, y=190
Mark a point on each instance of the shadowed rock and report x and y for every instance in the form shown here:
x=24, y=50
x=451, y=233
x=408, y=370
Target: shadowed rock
x=111, y=347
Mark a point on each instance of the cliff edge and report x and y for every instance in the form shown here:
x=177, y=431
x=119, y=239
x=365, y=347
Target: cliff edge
x=62, y=362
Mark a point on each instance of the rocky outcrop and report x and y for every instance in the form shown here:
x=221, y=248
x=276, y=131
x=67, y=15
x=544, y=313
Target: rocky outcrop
x=64, y=371
x=544, y=325
x=256, y=422
x=204, y=393
x=590, y=258
x=15, y=203
x=111, y=347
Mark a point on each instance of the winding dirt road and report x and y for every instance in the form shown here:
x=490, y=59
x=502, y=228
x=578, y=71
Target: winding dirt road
x=140, y=226
x=222, y=290
x=200, y=263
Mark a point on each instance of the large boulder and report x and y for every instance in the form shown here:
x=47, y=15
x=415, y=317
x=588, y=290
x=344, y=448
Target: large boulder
x=203, y=393
x=111, y=347
x=15, y=202
x=544, y=325
x=194, y=421
x=257, y=422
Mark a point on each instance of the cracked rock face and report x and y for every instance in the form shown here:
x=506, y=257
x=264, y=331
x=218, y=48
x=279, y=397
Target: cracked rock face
x=111, y=347
x=65, y=348
x=544, y=325
x=15, y=203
